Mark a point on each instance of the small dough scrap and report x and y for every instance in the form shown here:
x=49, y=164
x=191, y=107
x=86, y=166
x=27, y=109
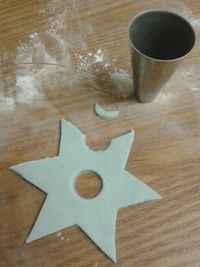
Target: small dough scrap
x=106, y=115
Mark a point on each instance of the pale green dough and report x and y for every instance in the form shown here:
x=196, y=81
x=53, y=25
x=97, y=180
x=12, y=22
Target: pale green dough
x=106, y=115
x=63, y=206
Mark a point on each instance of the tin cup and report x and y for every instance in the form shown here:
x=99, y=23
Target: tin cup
x=159, y=41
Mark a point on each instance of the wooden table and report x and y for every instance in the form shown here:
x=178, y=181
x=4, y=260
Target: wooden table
x=59, y=58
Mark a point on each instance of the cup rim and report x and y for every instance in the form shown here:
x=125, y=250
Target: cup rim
x=164, y=11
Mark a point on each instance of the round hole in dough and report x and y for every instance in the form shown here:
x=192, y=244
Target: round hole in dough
x=88, y=184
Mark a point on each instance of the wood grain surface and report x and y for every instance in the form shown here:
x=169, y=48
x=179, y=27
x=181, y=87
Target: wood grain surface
x=58, y=58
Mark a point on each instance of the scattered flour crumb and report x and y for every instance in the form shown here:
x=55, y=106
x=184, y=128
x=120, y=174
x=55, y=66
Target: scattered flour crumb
x=59, y=234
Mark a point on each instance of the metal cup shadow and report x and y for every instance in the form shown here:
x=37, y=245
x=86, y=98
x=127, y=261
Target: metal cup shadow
x=159, y=41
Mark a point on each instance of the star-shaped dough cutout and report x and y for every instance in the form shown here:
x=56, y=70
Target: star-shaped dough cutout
x=63, y=206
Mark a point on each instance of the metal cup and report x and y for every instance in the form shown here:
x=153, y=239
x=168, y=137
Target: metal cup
x=159, y=41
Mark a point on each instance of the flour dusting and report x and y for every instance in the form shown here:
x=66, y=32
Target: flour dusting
x=48, y=60
x=122, y=82
x=27, y=90
x=7, y=103
x=107, y=77
x=94, y=62
x=58, y=58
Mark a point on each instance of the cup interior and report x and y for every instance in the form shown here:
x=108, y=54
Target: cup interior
x=161, y=35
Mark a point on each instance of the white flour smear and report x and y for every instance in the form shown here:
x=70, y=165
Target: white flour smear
x=106, y=76
x=48, y=61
